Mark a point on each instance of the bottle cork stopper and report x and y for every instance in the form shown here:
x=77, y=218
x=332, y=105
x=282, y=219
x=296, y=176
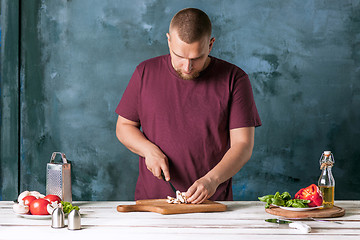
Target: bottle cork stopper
x=327, y=153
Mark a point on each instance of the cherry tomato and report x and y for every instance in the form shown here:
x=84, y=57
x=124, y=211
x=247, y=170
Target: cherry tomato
x=39, y=207
x=52, y=198
x=28, y=199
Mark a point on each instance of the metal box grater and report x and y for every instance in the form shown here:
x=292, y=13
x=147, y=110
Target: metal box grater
x=58, y=179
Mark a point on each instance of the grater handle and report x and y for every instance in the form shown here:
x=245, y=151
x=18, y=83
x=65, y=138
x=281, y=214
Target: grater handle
x=52, y=160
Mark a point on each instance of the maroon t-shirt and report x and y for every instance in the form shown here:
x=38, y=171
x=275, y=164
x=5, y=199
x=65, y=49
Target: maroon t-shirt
x=189, y=120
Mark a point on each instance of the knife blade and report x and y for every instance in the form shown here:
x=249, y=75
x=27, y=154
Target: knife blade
x=279, y=221
x=298, y=225
x=172, y=186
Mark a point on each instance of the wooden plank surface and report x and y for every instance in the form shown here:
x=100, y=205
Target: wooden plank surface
x=163, y=207
x=242, y=220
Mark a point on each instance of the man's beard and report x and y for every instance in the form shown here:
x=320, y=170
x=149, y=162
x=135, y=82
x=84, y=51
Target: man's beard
x=188, y=77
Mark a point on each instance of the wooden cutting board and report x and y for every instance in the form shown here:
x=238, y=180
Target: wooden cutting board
x=163, y=207
x=316, y=213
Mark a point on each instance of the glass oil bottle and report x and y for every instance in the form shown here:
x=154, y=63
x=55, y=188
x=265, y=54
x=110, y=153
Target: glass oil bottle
x=326, y=181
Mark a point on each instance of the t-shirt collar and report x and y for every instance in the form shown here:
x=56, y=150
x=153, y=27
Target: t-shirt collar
x=203, y=73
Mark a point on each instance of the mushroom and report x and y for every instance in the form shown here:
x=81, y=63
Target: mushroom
x=37, y=194
x=52, y=206
x=180, y=198
x=22, y=195
x=20, y=208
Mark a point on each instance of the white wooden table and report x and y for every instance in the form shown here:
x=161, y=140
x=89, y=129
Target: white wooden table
x=242, y=220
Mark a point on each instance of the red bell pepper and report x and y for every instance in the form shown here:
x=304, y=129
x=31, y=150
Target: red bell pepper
x=311, y=193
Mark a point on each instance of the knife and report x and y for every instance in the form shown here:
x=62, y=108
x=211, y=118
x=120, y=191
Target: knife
x=298, y=225
x=172, y=186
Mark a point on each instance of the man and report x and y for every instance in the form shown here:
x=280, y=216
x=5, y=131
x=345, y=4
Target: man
x=196, y=112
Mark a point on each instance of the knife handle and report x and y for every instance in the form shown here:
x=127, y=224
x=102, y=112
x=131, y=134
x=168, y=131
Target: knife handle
x=301, y=226
x=172, y=186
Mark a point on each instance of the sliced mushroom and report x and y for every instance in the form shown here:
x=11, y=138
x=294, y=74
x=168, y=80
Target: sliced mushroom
x=180, y=198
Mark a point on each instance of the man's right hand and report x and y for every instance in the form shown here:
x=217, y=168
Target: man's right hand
x=157, y=162
x=128, y=132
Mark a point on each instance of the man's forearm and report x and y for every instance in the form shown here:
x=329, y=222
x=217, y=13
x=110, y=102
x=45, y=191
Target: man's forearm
x=242, y=142
x=232, y=162
x=129, y=134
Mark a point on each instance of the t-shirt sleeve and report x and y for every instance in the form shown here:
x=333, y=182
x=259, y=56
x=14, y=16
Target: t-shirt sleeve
x=243, y=111
x=128, y=105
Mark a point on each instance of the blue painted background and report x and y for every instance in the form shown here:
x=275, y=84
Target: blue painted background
x=303, y=59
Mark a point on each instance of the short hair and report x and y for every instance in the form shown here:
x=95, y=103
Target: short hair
x=191, y=24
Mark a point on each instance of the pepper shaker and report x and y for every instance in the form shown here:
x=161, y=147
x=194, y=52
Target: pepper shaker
x=74, y=220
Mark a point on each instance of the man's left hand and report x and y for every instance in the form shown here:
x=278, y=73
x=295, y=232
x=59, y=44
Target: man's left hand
x=201, y=190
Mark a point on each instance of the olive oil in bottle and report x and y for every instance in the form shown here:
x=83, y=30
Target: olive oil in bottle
x=326, y=181
x=328, y=196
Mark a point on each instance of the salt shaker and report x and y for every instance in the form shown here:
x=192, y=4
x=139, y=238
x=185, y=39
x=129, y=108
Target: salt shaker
x=58, y=218
x=74, y=220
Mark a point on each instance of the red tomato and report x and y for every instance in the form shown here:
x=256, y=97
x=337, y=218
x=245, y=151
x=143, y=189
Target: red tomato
x=52, y=198
x=28, y=199
x=39, y=207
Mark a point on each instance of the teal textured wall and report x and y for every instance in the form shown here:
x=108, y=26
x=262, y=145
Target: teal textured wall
x=76, y=58
x=9, y=100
